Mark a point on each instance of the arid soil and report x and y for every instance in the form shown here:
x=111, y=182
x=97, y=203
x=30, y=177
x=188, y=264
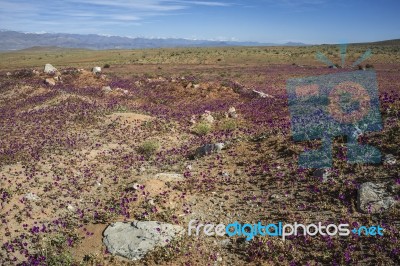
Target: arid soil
x=76, y=156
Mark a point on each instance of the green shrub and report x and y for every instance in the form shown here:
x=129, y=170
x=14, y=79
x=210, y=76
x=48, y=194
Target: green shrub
x=202, y=128
x=63, y=258
x=106, y=66
x=149, y=147
x=229, y=124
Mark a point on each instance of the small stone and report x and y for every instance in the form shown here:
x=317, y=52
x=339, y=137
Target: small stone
x=196, y=86
x=207, y=117
x=31, y=196
x=193, y=119
x=225, y=174
x=232, y=113
x=389, y=160
x=71, y=208
x=189, y=85
x=262, y=94
x=96, y=70
x=106, y=89
x=237, y=172
x=50, y=81
x=275, y=196
x=49, y=69
x=219, y=146
x=136, y=186
x=189, y=167
x=8, y=74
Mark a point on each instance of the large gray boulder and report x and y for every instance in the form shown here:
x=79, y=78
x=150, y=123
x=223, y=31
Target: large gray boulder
x=134, y=239
x=49, y=69
x=374, y=198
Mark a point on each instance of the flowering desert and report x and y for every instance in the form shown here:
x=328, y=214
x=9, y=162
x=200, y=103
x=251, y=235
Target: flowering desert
x=148, y=140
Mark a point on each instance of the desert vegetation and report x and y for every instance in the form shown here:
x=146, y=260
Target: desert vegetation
x=92, y=149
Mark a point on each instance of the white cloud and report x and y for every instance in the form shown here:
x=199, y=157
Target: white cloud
x=300, y=2
x=116, y=10
x=206, y=3
x=124, y=17
x=144, y=5
x=85, y=16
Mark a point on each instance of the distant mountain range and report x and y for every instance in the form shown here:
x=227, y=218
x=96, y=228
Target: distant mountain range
x=13, y=40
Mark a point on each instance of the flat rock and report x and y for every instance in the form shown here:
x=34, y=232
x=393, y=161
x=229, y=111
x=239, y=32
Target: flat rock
x=374, y=198
x=169, y=176
x=133, y=240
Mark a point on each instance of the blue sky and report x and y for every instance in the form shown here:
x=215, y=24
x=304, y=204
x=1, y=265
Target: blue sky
x=278, y=21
